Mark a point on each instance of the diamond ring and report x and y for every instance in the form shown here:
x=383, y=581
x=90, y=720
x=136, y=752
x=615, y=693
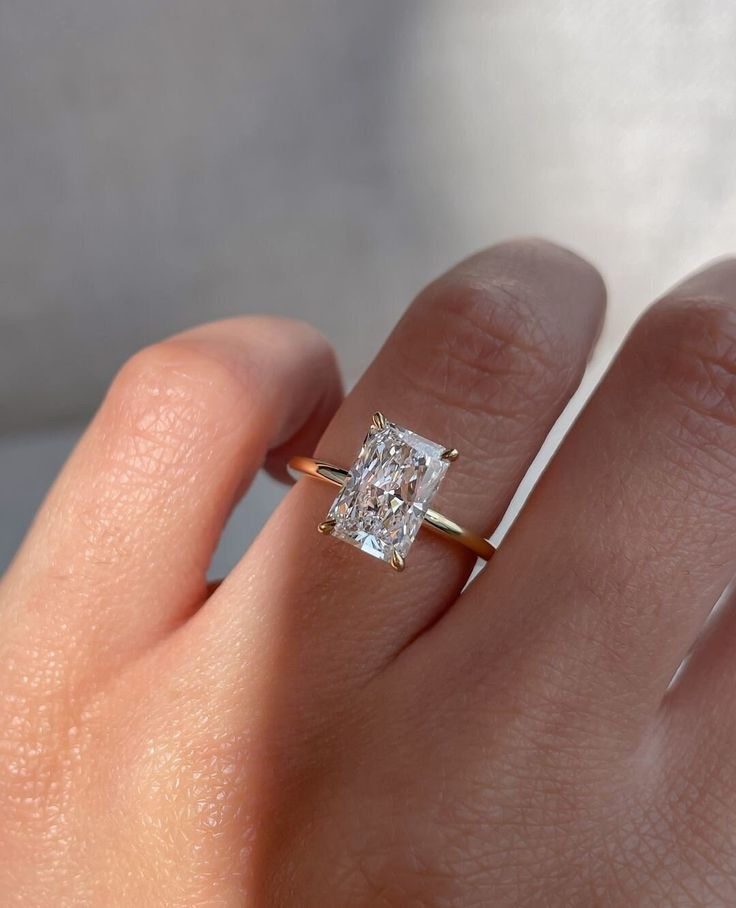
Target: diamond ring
x=384, y=497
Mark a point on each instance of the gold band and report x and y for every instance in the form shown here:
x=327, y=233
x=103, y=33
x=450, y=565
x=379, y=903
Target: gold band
x=438, y=523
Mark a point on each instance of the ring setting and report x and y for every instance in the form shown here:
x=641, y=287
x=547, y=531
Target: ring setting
x=383, y=499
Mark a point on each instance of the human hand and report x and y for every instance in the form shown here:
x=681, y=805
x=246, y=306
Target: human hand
x=321, y=731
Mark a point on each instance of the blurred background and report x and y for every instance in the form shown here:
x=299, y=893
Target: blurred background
x=162, y=164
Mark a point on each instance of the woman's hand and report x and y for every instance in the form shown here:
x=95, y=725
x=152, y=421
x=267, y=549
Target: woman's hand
x=321, y=731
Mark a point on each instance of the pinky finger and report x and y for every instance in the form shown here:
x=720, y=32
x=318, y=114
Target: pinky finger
x=120, y=550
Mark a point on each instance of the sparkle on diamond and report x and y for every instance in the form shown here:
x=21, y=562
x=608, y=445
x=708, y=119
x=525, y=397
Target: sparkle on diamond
x=388, y=491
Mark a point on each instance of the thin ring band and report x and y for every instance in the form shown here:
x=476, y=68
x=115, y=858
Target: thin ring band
x=438, y=523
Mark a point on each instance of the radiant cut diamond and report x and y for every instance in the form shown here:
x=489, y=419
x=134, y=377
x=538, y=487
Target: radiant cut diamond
x=388, y=490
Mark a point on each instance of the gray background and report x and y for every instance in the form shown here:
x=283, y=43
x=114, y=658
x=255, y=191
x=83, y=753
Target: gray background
x=166, y=163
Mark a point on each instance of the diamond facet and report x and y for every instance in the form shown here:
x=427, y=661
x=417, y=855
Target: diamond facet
x=383, y=502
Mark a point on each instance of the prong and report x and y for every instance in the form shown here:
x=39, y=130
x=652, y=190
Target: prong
x=450, y=454
x=379, y=420
x=327, y=526
x=397, y=561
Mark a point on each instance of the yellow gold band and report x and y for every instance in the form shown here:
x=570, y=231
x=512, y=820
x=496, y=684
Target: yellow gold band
x=438, y=523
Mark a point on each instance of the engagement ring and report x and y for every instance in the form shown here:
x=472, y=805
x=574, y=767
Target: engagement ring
x=384, y=497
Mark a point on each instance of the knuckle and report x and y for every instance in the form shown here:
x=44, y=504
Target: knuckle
x=689, y=343
x=491, y=347
x=175, y=392
x=173, y=408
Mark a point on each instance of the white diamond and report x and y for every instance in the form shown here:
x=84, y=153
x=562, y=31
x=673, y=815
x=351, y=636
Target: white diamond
x=388, y=491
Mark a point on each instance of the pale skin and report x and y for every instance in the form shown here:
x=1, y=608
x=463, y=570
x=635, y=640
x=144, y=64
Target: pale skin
x=320, y=730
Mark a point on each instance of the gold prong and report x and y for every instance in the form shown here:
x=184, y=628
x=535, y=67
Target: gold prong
x=327, y=526
x=379, y=420
x=397, y=561
x=450, y=454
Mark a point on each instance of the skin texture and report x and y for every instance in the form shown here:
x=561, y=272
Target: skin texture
x=320, y=731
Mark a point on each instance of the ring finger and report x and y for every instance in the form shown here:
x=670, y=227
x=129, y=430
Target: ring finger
x=484, y=361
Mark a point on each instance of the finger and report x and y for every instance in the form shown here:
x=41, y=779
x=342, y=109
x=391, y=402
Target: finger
x=605, y=581
x=119, y=551
x=693, y=739
x=697, y=718
x=484, y=361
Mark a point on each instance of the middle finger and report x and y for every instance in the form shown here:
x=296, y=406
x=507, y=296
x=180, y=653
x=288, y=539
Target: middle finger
x=608, y=575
